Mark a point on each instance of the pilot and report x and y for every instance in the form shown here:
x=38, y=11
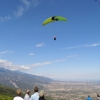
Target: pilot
x=54, y=37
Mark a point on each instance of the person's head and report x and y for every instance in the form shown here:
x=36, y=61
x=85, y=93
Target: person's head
x=88, y=96
x=28, y=91
x=18, y=92
x=98, y=95
x=36, y=89
x=41, y=93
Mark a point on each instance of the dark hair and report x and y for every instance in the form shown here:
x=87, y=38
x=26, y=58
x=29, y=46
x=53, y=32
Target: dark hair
x=98, y=95
x=35, y=89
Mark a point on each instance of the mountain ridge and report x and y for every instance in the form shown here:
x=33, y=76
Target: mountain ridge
x=17, y=79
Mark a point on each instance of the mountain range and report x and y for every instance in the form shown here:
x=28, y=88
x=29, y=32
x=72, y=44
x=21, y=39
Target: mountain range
x=17, y=79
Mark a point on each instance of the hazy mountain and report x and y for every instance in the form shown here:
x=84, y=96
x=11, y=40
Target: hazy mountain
x=22, y=80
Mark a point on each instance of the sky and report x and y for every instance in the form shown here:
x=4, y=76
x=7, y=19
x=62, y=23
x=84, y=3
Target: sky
x=27, y=46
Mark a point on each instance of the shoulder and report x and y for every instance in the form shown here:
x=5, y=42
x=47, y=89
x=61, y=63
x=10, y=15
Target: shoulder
x=26, y=95
x=18, y=98
x=35, y=94
x=32, y=96
x=21, y=98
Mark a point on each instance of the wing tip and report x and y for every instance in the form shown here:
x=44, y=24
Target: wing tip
x=42, y=24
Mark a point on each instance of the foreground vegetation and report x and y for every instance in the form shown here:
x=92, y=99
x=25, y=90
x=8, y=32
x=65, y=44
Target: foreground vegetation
x=7, y=93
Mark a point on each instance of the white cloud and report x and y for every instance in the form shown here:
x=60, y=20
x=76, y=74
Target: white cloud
x=60, y=60
x=86, y=45
x=35, y=2
x=38, y=74
x=73, y=47
x=31, y=54
x=93, y=45
x=40, y=45
x=26, y=2
x=25, y=67
x=20, y=11
x=71, y=56
x=41, y=64
x=4, y=52
x=8, y=65
x=5, y=18
x=50, y=62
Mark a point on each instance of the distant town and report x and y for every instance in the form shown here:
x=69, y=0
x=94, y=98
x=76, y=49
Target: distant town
x=72, y=90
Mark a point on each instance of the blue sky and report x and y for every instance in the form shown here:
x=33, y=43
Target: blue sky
x=27, y=46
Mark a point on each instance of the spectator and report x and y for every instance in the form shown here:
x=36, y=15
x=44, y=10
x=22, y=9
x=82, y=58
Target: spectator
x=35, y=96
x=89, y=98
x=27, y=97
x=18, y=97
x=98, y=97
x=42, y=95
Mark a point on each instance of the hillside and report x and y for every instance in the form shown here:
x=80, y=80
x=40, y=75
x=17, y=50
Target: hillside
x=6, y=93
x=16, y=79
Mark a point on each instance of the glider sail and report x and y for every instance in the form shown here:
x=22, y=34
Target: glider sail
x=53, y=19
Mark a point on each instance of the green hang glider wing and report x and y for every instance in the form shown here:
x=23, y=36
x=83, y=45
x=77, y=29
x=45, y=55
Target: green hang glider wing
x=53, y=19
